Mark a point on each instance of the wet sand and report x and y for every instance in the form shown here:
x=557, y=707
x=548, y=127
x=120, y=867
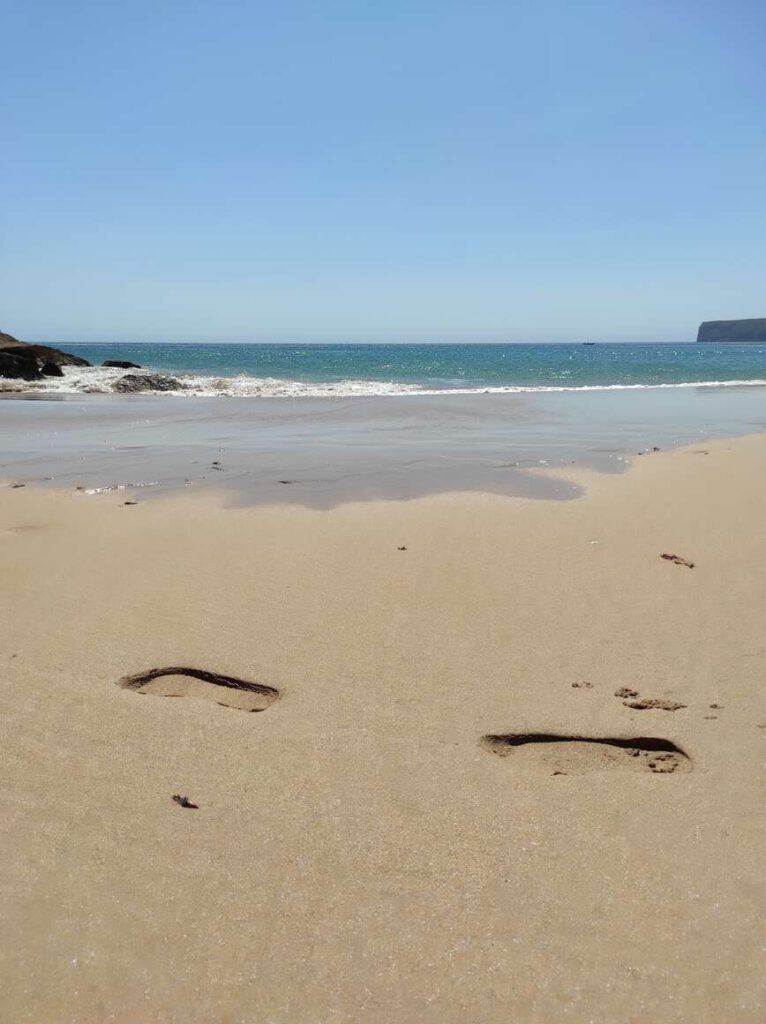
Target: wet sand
x=327, y=451
x=444, y=813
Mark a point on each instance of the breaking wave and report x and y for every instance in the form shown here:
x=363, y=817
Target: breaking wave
x=94, y=380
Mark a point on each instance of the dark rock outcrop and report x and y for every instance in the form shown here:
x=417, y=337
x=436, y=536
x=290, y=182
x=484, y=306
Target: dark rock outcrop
x=121, y=364
x=21, y=360
x=736, y=331
x=132, y=383
x=50, y=369
x=17, y=367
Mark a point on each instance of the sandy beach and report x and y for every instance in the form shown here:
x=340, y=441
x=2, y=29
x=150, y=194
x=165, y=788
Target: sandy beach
x=361, y=851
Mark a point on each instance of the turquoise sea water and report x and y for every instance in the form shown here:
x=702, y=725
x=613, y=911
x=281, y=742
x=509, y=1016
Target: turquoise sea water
x=386, y=369
x=260, y=420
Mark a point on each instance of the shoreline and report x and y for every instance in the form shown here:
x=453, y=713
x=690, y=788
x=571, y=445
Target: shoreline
x=322, y=453
x=556, y=483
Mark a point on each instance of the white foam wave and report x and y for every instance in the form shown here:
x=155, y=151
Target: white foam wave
x=101, y=380
x=110, y=488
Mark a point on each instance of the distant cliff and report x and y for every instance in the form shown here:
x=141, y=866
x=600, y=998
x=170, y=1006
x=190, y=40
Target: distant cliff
x=733, y=330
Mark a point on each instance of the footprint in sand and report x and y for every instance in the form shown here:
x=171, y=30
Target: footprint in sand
x=645, y=702
x=227, y=691
x=577, y=755
x=642, y=703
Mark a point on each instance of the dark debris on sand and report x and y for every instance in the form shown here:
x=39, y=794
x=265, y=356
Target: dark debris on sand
x=184, y=801
x=677, y=560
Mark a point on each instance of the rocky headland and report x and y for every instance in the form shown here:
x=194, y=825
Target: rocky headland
x=21, y=360
x=733, y=331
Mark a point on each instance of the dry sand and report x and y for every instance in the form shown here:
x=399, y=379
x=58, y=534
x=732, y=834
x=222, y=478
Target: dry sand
x=360, y=853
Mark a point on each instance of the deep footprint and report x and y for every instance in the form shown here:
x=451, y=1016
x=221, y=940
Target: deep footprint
x=196, y=682
x=578, y=755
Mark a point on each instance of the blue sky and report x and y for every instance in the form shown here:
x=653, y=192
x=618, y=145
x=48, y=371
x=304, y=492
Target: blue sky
x=403, y=170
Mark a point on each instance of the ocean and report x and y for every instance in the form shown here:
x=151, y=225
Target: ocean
x=404, y=420
x=327, y=370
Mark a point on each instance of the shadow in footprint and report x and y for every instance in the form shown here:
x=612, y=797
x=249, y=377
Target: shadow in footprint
x=227, y=691
x=577, y=755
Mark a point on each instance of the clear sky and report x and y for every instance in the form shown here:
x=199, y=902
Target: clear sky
x=212, y=170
